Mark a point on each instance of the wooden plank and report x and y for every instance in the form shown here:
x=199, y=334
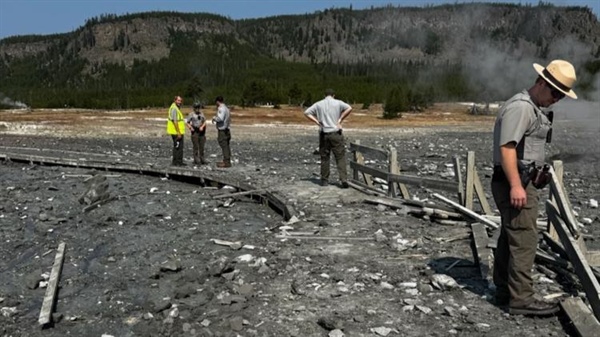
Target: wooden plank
x=370, y=171
x=404, y=191
x=393, y=167
x=50, y=297
x=288, y=233
x=546, y=271
x=458, y=174
x=481, y=253
x=581, y=317
x=89, y=175
x=467, y=211
x=563, y=204
x=445, y=185
x=96, y=164
x=299, y=237
x=360, y=159
x=364, y=188
x=559, y=197
x=391, y=203
x=452, y=238
x=278, y=205
x=397, y=204
x=596, y=271
x=419, y=203
x=404, y=179
x=497, y=219
x=439, y=213
x=577, y=258
x=581, y=244
x=544, y=257
x=556, y=246
x=23, y=150
x=593, y=258
x=485, y=206
x=450, y=222
x=370, y=152
x=269, y=199
x=470, y=178
x=493, y=243
x=559, y=171
x=237, y=194
x=357, y=157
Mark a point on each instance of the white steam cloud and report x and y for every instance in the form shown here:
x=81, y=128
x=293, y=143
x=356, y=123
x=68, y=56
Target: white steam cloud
x=504, y=67
x=7, y=101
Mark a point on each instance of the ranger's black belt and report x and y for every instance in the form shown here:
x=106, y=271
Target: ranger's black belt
x=539, y=176
x=339, y=132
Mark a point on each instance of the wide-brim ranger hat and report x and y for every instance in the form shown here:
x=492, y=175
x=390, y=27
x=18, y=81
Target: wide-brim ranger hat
x=560, y=74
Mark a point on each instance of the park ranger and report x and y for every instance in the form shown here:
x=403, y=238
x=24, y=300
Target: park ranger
x=223, y=122
x=196, y=122
x=521, y=130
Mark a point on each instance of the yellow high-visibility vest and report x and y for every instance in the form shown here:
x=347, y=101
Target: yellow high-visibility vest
x=171, y=124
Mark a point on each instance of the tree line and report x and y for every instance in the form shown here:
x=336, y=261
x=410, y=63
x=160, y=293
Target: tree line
x=56, y=78
x=203, y=66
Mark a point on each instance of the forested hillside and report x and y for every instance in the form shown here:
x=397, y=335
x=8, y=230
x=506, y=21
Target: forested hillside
x=417, y=55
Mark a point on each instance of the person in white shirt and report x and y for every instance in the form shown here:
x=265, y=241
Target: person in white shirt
x=328, y=114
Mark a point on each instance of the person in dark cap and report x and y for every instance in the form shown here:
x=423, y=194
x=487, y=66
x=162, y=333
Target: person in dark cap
x=196, y=122
x=520, y=134
x=328, y=114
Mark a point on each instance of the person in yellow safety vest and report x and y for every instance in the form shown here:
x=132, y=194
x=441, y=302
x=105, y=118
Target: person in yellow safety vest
x=176, y=128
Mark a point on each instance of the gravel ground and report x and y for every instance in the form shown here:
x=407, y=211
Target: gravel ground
x=144, y=263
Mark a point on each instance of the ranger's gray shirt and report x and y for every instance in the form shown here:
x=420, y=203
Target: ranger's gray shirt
x=328, y=112
x=223, y=118
x=520, y=121
x=195, y=119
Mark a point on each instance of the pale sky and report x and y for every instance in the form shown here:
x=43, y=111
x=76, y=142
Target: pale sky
x=42, y=17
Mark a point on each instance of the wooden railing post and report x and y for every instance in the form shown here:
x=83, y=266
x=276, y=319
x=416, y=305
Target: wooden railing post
x=360, y=159
x=459, y=180
x=393, y=167
x=356, y=158
x=558, y=171
x=474, y=184
x=469, y=180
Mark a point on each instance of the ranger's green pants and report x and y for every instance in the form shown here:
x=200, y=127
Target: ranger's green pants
x=517, y=244
x=333, y=142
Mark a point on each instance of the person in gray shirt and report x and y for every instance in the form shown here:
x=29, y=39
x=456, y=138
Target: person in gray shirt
x=223, y=123
x=328, y=114
x=196, y=122
x=521, y=131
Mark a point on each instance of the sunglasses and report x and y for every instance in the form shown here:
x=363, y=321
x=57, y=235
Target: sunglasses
x=550, y=116
x=556, y=94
